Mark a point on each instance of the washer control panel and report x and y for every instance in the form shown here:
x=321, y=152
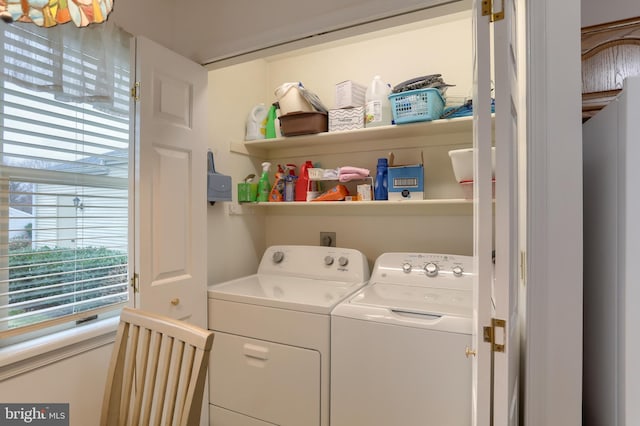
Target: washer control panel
x=424, y=269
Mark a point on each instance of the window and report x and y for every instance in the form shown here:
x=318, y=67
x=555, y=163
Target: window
x=64, y=148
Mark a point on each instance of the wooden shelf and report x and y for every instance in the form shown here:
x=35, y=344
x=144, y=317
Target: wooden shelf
x=456, y=207
x=455, y=131
x=386, y=137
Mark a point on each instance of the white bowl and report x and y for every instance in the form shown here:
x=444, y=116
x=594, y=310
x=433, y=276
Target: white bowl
x=462, y=162
x=315, y=173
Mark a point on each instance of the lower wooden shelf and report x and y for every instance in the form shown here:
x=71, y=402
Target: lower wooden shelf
x=432, y=207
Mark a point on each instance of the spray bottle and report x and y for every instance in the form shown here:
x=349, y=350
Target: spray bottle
x=264, y=186
x=277, y=190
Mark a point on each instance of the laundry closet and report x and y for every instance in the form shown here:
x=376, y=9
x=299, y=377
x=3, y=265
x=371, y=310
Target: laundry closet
x=438, y=43
x=239, y=233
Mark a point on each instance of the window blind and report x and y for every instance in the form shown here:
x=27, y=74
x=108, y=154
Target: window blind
x=64, y=170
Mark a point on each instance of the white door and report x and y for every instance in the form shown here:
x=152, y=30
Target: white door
x=170, y=183
x=495, y=365
x=509, y=140
x=482, y=217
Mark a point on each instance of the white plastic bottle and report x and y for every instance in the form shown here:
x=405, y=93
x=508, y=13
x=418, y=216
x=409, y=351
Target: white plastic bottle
x=256, y=123
x=377, y=106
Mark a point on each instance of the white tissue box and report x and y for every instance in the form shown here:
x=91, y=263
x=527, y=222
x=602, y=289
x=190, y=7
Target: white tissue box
x=350, y=94
x=346, y=119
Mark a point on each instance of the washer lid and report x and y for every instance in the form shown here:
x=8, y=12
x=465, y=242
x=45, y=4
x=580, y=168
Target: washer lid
x=301, y=294
x=416, y=299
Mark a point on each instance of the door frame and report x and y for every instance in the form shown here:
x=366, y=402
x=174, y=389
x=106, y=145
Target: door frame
x=552, y=393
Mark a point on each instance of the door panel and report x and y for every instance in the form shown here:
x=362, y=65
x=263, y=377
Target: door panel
x=171, y=220
x=496, y=373
x=173, y=105
x=505, y=287
x=482, y=217
x=170, y=183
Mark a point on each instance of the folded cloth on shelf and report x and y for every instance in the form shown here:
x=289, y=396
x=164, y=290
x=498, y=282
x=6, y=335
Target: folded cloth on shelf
x=464, y=110
x=434, y=81
x=331, y=173
x=349, y=173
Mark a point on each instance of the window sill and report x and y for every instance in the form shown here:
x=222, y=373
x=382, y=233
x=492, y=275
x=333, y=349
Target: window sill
x=39, y=352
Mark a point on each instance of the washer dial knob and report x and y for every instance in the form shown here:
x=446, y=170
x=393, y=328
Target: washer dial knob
x=278, y=257
x=406, y=267
x=343, y=261
x=328, y=260
x=431, y=269
x=457, y=270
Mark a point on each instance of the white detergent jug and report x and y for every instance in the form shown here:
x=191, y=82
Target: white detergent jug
x=378, y=107
x=257, y=123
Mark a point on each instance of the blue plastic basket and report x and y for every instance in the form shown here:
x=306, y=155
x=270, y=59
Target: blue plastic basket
x=416, y=105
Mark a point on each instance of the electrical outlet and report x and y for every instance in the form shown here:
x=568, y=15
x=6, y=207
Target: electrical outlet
x=328, y=239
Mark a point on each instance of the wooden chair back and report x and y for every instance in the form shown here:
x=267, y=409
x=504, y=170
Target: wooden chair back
x=157, y=372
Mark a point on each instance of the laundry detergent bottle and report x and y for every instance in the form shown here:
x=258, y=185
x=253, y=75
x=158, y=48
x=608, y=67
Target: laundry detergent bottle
x=377, y=105
x=303, y=181
x=256, y=123
x=264, y=186
x=380, y=191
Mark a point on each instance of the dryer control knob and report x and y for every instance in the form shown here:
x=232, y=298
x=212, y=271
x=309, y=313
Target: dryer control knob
x=431, y=269
x=328, y=260
x=457, y=271
x=343, y=261
x=278, y=257
x=406, y=268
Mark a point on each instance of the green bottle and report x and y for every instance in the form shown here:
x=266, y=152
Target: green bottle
x=270, y=127
x=264, y=186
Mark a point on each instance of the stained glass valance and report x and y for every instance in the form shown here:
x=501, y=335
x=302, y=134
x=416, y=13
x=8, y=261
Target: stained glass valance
x=48, y=13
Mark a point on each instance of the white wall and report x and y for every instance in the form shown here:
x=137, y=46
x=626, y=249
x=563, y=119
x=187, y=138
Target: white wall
x=598, y=12
x=235, y=242
x=78, y=380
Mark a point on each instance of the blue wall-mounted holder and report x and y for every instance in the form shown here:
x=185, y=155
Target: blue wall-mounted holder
x=218, y=185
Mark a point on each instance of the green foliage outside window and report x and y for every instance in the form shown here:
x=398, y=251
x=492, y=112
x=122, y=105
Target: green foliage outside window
x=70, y=279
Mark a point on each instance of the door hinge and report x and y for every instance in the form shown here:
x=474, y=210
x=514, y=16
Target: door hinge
x=134, y=282
x=135, y=91
x=490, y=334
x=487, y=10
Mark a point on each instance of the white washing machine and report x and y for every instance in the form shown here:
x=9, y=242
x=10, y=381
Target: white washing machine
x=270, y=358
x=398, y=344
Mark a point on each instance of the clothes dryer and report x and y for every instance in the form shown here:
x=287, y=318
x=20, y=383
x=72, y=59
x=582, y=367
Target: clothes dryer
x=398, y=344
x=271, y=355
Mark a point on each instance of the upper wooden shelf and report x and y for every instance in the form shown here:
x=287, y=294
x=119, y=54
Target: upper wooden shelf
x=385, y=137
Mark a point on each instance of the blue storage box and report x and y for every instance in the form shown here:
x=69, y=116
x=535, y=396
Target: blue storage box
x=405, y=182
x=416, y=105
